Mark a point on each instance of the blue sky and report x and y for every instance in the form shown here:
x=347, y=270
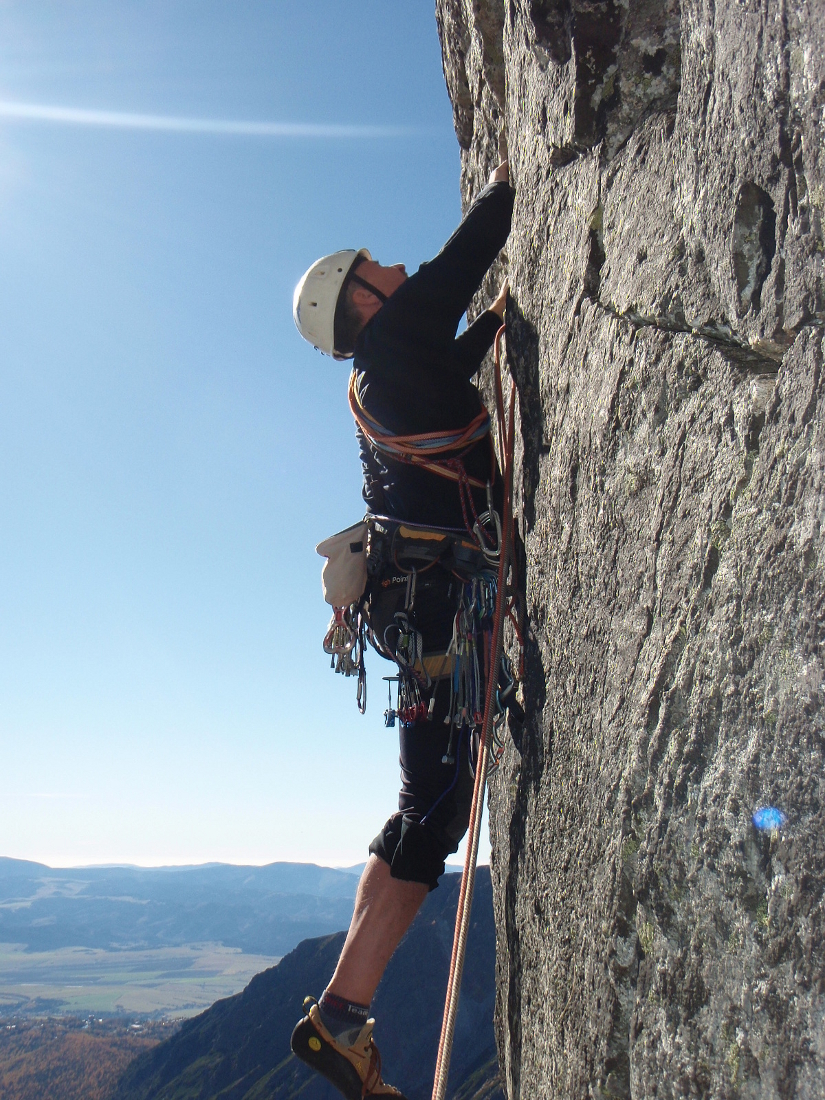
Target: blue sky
x=170, y=450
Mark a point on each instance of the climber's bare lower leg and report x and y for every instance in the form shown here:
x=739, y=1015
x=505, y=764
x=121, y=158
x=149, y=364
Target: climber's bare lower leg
x=384, y=909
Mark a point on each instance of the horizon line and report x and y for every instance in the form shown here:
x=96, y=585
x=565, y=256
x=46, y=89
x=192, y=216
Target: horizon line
x=344, y=867
x=127, y=120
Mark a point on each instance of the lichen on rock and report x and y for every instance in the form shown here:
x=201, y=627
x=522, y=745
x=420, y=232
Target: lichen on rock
x=666, y=342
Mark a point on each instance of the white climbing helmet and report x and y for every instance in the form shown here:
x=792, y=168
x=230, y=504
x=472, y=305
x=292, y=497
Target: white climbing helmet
x=316, y=296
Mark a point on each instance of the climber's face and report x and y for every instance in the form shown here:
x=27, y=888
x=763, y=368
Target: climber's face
x=385, y=279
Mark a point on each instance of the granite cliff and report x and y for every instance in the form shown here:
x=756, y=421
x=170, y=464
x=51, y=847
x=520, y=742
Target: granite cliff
x=666, y=341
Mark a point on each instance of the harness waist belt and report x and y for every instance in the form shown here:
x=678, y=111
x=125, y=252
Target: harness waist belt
x=397, y=545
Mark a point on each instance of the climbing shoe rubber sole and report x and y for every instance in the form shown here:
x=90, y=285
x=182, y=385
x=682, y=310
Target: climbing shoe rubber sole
x=312, y=1047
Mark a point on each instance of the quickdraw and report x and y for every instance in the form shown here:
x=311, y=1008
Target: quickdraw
x=505, y=702
x=345, y=641
x=470, y=645
x=408, y=651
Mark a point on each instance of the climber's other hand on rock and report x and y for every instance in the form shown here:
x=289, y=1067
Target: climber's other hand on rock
x=500, y=304
x=502, y=173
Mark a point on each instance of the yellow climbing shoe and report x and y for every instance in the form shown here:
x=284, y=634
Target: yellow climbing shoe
x=354, y=1070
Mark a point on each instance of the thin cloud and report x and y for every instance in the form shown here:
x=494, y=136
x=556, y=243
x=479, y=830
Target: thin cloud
x=38, y=794
x=124, y=120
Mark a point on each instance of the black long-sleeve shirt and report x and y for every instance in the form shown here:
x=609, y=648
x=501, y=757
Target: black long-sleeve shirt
x=413, y=374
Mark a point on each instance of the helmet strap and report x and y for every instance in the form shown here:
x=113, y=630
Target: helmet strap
x=379, y=294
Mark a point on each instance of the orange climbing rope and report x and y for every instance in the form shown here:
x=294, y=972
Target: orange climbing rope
x=465, y=899
x=425, y=448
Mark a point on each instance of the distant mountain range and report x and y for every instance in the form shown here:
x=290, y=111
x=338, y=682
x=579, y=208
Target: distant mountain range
x=239, y=1048
x=261, y=910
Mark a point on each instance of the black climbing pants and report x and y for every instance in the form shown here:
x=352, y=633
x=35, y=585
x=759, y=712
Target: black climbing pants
x=434, y=801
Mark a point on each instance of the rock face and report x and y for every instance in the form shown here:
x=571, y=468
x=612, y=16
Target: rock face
x=666, y=340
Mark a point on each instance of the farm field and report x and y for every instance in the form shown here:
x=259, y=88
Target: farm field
x=164, y=981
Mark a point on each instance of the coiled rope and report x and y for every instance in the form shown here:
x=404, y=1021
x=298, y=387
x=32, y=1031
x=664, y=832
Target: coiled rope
x=465, y=899
x=425, y=448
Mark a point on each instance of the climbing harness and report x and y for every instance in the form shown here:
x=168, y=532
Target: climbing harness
x=441, y=453
x=426, y=650
x=359, y=552
x=488, y=737
x=398, y=561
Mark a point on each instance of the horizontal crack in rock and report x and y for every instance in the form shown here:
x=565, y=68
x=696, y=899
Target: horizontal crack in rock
x=765, y=355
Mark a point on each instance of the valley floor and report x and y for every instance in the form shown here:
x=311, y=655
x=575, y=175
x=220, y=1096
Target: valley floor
x=167, y=981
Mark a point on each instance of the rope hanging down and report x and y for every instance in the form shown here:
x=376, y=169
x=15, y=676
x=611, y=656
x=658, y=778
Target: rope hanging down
x=465, y=900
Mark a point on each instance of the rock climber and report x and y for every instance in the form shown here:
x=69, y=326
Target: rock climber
x=411, y=375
